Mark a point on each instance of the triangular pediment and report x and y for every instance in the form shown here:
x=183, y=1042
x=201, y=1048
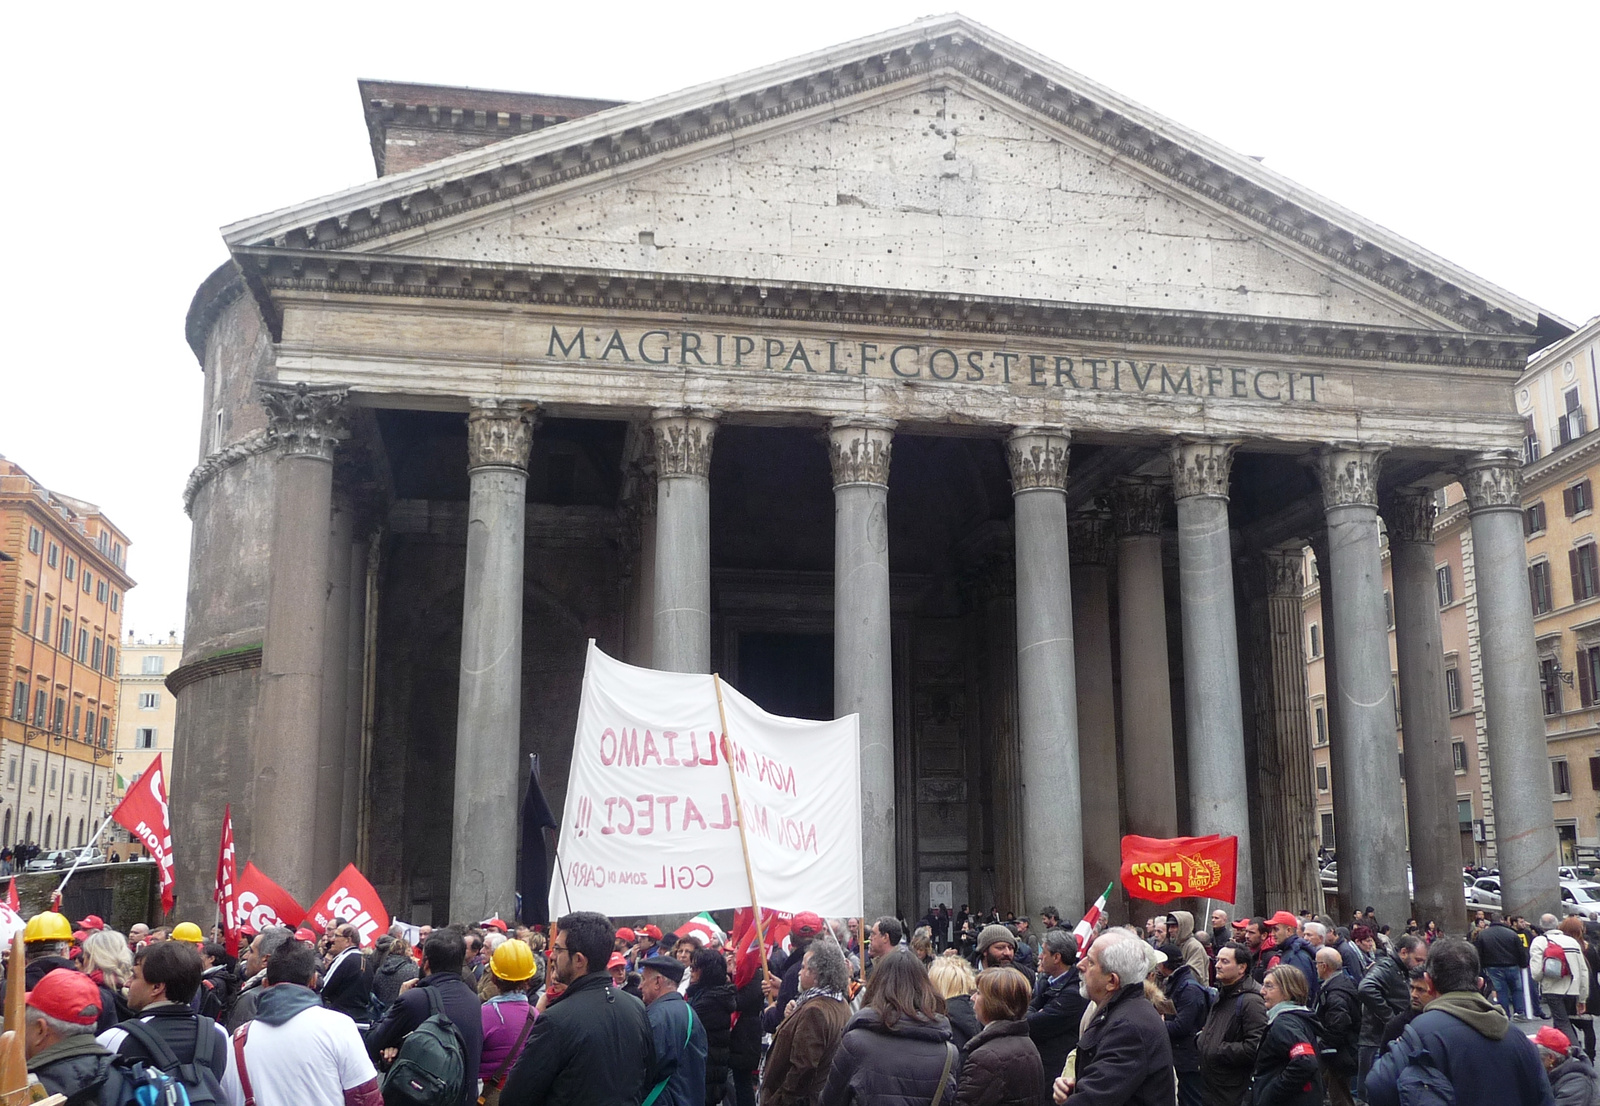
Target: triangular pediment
x=940, y=157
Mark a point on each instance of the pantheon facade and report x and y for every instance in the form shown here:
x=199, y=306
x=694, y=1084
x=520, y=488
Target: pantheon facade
x=920, y=378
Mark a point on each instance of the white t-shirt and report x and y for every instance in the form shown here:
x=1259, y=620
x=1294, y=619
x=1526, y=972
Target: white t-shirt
x=309, y=1060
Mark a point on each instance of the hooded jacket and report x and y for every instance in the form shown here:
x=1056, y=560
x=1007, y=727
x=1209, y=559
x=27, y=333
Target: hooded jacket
x=1192, y=1001
x=1470, y=1040
x=1194, y=952
x=1229, y=1042
x=1000, y=1067
x=1573, y=1081
x=71, y=1065
x=388, y=976
x=879, y=1065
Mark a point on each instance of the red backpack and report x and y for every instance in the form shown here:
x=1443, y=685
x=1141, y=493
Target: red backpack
x=1554, y=964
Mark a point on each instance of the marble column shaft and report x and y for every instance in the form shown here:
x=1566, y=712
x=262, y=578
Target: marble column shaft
x=1431, y=819
x=863, y=679
x=1052, y=818
x=681, y=629
x=354, y=699
x=329, y=777
x=1372, y=840
x=1149, y=764
x=1525, y=834
x=483, y=843
x=1213, y=705
x=1093, y=547
x=306, y=423
x=1344, y=800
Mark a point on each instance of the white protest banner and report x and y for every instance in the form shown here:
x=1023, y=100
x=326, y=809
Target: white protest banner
x=649, y=825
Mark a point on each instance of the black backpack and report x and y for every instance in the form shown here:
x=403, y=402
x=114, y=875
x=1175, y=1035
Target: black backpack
x=431, y=1066
x=191, y=1084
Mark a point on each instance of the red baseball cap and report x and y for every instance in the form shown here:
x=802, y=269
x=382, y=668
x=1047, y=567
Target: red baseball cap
x=93, y=921
x=1284, y=918
x=306, y=935
x=1242, y=923
x=653, y=932
x=493, y=923
x=68, y=996
x=617, y=961
x=1548, y=1036
x=806, y=924
x=626, y=934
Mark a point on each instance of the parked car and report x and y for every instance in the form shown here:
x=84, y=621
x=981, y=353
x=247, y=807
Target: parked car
x=63, y=858
x=1485, y=892
x=1581, y=898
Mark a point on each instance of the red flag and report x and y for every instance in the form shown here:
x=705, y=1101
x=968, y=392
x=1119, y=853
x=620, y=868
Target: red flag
x=751, y=953
x=227, y=876
x=1162, y=869
x=350, y=898
x=11, y=896
x=143, y=812
x=261, y=904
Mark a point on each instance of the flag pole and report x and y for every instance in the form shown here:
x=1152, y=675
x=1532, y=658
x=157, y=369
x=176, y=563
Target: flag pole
x=744, y=843
x=56, y=894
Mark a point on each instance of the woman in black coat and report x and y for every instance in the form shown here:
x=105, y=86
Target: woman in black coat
x=744, y=1043
x=1000, y=1065
x=896, y=1050
x=712, y=998
x=1287, y=1072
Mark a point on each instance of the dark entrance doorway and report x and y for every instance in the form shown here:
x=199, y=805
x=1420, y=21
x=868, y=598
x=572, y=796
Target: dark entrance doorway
x=788, y=674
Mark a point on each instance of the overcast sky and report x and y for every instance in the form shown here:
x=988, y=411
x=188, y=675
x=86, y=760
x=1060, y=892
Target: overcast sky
x=136, y=132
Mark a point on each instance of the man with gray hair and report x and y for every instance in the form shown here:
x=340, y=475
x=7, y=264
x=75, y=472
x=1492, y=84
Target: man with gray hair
x=1057, y=1007
x=803, y=1047
x=256, y=957
x=58, y=1034
x=1124, y=1054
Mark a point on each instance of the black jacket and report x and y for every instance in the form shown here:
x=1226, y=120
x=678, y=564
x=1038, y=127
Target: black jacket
x=461, y=1006
x=1000, y=1067
x=790, y=989
x=1229, y=1042
x=347, y=988
x=1053, y=1019
x=74, y=1065
x=1338, y=1010
x=714, y=1007
x=389, y=975
x=1124, y=1055
x=744, y=1045
x=963, y=1019
x=1500, y=946
x=875, y=1065
x=592, y=1047
x=1288, y=1072
x=1385, y=991
x=1193, y=1001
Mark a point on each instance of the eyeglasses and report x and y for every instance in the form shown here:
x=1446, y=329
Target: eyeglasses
x=558, y=948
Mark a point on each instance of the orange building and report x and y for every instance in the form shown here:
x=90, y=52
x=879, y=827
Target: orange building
x=63, y=582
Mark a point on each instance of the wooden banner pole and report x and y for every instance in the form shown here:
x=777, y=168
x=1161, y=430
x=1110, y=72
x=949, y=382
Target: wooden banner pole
x=744, y=843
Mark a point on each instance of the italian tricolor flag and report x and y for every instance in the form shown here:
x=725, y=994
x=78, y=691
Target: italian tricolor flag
x=1091, y=920
x=704, y=930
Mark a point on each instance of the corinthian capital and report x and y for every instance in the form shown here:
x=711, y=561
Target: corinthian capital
x=1038, y=456
x=1091, y=539
x=1493, y=480
x=1139, y=503
x=1201, y=466
x=859, y=449
x=1349, y=475
x=683, y=442
x=1408, y=513
x=305, y=421
x=1285, y=570
x=500, y=434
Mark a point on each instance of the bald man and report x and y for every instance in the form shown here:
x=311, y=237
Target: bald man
x=1338, y=1008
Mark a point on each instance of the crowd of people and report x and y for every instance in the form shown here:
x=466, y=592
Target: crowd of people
x=1284, y=1010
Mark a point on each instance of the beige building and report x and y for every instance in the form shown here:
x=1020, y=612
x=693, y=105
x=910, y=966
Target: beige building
x=147, y=711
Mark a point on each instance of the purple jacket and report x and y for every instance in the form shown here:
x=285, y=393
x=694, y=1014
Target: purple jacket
x=503, y=1019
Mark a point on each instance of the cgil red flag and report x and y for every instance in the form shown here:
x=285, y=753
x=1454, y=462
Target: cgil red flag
x=143, y=813
x=350, y=898
x=11, y=896
x=227, y=877
x=749, y=951
x=1158, y=869
x=262, y=904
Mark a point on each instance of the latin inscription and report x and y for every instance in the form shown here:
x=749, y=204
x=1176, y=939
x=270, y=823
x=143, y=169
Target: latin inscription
x=929, y=361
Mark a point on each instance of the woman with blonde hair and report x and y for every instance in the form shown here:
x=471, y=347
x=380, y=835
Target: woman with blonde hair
x=106, y=960
x=1287, y=1069
x=955, y=981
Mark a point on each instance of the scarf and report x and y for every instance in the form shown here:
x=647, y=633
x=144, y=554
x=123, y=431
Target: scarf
x=816, y=992
x=1272, y=1015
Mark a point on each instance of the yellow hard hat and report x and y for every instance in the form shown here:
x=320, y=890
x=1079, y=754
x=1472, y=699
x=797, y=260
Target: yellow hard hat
x=48, y=926
x=512, y=961
x=187, y=931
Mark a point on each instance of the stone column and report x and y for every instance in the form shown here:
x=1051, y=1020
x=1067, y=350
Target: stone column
x=1052, y=820
x=863, y=678
x=1425, y=709
x=1149, y=771
x=329, y=777
x=1212, y=703
x=306, y=423
x=1093, y=547
x=1289, y=822
x=1525, y=834
x=355, y=663
x=483, y=841
x=1344, y=801
x=681, y=635
x=1372, y=842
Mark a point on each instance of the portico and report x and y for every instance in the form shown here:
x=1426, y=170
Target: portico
x=843, y=444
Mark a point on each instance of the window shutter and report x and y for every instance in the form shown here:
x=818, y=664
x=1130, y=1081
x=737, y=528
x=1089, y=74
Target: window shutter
x=1566, y=502
x=1572, y=565
x=1594, y=773
x=1585, y=682
x=1533, y=586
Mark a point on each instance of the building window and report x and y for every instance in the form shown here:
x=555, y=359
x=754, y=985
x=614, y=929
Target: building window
x=100, y=592
x=1573, y=424
x=1561, y=777
x=152, y=666
x=52, y=781
x=1594, y=774
x=40, y=699
x=1533, y=519
x=83, y=646
x=1321, y=715
x=116, y=602
x=88, y=728
x=1327, y=832
x=65, y=644
x=1322, y=777
x=11, y=774
x=1539, y=587
x=99, y=654
x=1452, y=689
x=1577, y=499
x=1550, y=683
x=1394, y=697
x=44, y=625
x=1447, y=589
x=1316, y=641
x=1585, y=567
x=1530, y=441
x=144, y=738
x=1464, y=813
x=1589, y=676
x=111, y=660
x=149, y=700
x=71, y=570
x=53, y=557
x=59, y=724
x=35, y=539
x=19, y=701
x=105, y=729
x=77, y=720
x=116, y=553
x=33, y=776
x=1388, y=610
x=88, y=581
x=27, y=613
x=1458, y=756
x=72, y=782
